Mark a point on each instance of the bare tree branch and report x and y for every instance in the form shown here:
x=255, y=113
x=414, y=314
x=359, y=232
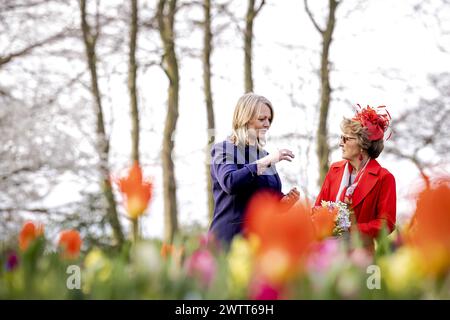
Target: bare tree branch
x=308, y=11
x=58, y=36
x=10, y=5
x=258, y=9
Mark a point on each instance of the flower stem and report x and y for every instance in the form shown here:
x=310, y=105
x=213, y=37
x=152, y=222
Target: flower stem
x=135, y=230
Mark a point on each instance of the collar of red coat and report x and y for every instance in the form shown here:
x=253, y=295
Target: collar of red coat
x=373, y=167
x=367, y=182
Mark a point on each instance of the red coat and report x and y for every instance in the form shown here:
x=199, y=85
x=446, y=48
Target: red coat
x=374, y=199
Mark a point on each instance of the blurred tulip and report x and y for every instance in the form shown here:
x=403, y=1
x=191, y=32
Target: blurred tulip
x=70, y=242
x=98, y=268
x=240, y=263
x=429, y=231
x=137, y=193
x=166, y=250
x=323, y=221
x=146, y=258
x=96, y=263
x=263, y=290
x=12, y=261
x=201, y=265
x=361, y=258
x=348, y=284
x=284, y=234
x=172, y=251
x=276, y=266
x=210, y=242
x=325, y=254
x=29, y=233
x=403, y=270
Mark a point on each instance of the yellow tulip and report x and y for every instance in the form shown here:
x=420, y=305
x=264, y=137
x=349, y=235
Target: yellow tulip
x=240, y=263
x=403, y=270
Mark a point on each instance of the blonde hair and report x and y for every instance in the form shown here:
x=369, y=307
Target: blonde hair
x=373, y=148
x=247, y=108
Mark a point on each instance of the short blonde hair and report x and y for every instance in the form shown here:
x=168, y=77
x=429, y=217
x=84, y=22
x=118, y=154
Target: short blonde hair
x=247, y=108
x=373, y=148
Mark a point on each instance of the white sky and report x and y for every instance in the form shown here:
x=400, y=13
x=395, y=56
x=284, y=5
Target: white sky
x=383, y=38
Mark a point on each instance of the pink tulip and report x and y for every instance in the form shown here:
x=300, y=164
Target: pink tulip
x=263, y=290
x=201, y=265
x=209, y=241
x=323, y=255
x=361, y=258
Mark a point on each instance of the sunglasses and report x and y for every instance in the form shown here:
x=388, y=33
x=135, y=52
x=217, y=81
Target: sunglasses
x=346, y=138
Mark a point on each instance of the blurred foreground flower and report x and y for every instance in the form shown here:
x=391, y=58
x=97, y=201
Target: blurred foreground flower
x=403, y=270
x=361, y=258
x=29, y=233
x=12, y=261
x=284, y=236
x=323, y=222
x=324, y=255
x=429, y=231
x=240, y=263
x=96, y=261
x=210, y=242
x=326, y=260
x=262, y=290
x=70, y=242
x=171, y=251
x=137, y=193
x=340, y=213
x=146, y=258
x=98, y=269
x=201, y=265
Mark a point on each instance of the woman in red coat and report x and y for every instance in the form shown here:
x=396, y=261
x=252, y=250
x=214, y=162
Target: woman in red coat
x=359, y=180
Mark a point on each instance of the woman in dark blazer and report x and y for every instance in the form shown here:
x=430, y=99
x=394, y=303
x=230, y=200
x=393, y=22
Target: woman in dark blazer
x=240, y=167
x=359, y=180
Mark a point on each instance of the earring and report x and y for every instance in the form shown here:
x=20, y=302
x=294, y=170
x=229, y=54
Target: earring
x=360, y=156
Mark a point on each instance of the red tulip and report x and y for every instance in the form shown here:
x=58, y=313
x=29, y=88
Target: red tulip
x=70, y=243
x=323, y=222
x=137, y=193
x=29, y=233
x=283, y=234
x=170, y=250
x=430, y=228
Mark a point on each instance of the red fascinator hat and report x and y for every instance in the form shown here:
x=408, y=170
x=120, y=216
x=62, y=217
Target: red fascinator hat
x=375, y=120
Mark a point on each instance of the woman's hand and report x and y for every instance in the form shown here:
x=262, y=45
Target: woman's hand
x=282, y=154
x=273, y=158
x=291, y=198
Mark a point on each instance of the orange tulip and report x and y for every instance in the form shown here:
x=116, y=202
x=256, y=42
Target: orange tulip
x=430, y=228
x=323, y=222
x=170, y=250
x=166, y=250
x=281, y=233
x=70, y=242
x=137, y=193
x=29, y=233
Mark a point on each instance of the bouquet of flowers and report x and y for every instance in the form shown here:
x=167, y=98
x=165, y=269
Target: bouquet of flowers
x=342, y=213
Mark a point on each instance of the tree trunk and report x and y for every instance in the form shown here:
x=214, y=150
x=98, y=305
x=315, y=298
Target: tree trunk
x=248, y=43
x=132, y=71
x=252, y=12
x=102, y=141
x=323, y=149
x=207, y=49
x=170, y=65
x=132, y=75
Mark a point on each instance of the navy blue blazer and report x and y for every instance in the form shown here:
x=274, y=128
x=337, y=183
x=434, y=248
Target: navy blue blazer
x=235, y=181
